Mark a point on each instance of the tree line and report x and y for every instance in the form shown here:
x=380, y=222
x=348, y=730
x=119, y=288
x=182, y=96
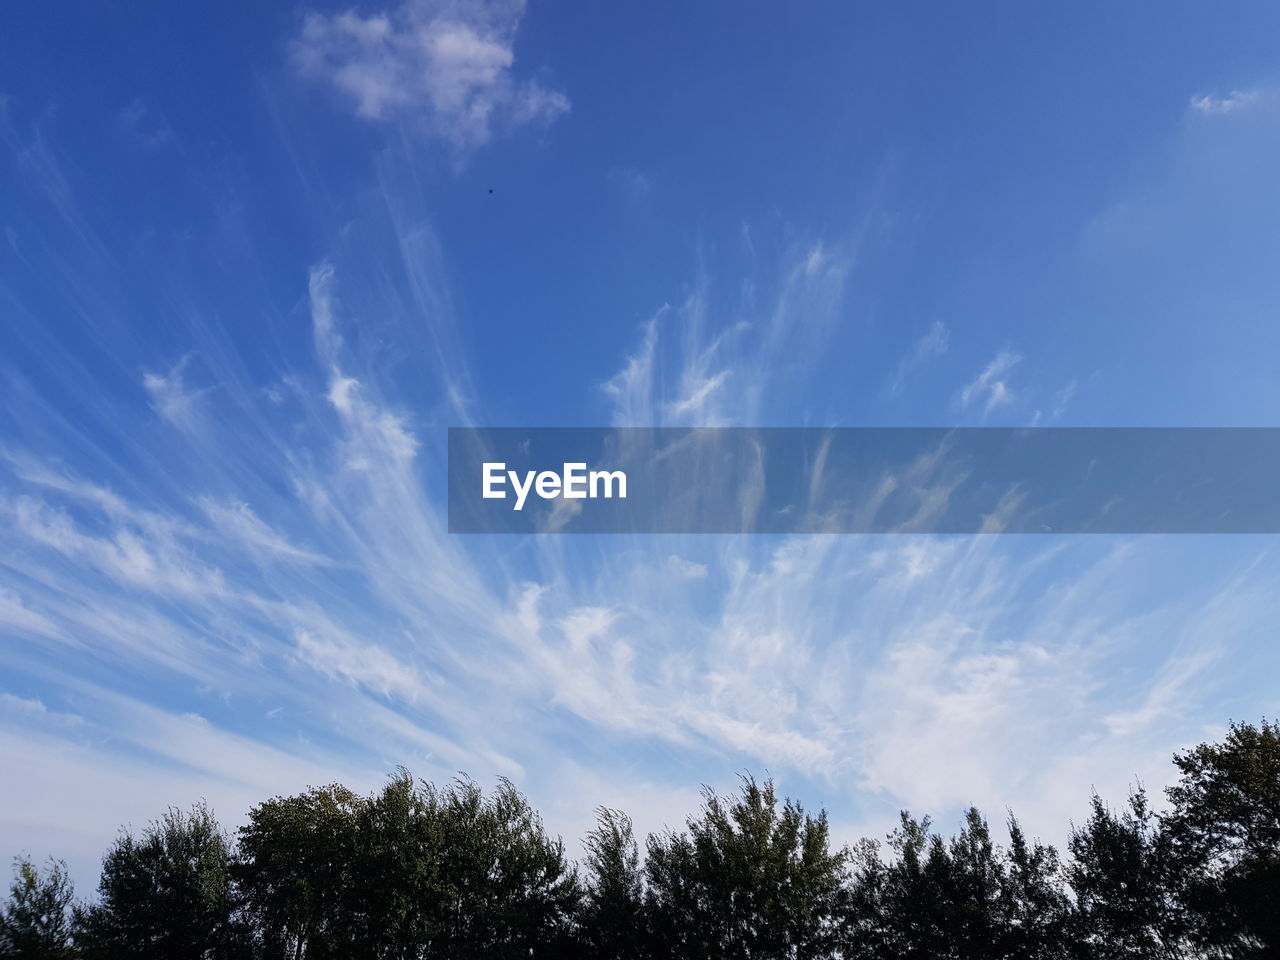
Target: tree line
x=419, y=871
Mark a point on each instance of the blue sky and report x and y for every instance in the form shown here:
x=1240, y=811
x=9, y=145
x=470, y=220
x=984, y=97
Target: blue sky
x=257, y=259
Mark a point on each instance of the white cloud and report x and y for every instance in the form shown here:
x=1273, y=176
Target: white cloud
x=1059, y=402
x=700, y=394
x=632, y=183
x=29, y=710
x=141, y=125
x=989, y=388
x=172, y=398
x=446, y=64
x=933, y=343
x=1235, y=100
x=702, y=363
x=686, y=569
x=130, y=556
x=365, y=665
x=631, y=387
x=237, y=522
x=17, y=617
x=585, y=625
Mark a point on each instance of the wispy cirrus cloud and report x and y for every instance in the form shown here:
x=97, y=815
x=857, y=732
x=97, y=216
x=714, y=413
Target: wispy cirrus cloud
x=990, y=388
x=140, y=124
x=1232, y=102
x=704, y=362
x=933, y=343
x=446, y=66
x=238, y=522
x=279, y=596
x=863, y=664
x=172, y=397
x=18, y=619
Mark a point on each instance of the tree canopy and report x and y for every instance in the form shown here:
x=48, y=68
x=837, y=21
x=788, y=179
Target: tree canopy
x=418, y=871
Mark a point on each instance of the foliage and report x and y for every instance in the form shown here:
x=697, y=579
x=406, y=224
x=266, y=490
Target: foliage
x=1125, y=878
x=1225, y=828
x=750, y=878
x=614, y=921
x=294, y=870
x=962, y=898
x=417, y=872
x=36, y=921
x=414, y=871
x=165, y=895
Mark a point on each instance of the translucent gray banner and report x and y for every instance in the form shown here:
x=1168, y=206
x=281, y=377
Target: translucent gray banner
x=864, y=480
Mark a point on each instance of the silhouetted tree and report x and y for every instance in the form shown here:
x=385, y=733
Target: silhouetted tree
x=1037, y=909
x=613, y=920
x=35, y=922
x=295, y=871
x=419, y=872
x=868, y=923
x=1225, y=828
x=401, y=899
x=971, y=881
x=513, y=893
x=165, y=895
x=937, y=899
x=963, y=898
x=749, y=878
x=1125, y=880
x=414, y=871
